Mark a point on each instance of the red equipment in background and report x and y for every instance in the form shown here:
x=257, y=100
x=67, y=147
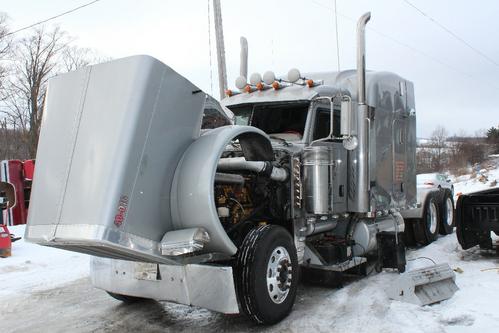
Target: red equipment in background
x=5, y=242
x=19, y=176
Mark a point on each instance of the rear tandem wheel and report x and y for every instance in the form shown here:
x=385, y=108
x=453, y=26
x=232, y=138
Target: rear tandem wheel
x=426, y=229
x=446, y=213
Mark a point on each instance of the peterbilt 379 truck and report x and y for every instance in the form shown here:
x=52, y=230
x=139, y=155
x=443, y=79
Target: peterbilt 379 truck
x=181, y=198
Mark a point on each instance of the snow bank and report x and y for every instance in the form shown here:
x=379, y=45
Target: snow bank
x=33, y=267
x=486, y=177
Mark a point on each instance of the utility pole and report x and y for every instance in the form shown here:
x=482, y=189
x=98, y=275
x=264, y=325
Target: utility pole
x=219, y=34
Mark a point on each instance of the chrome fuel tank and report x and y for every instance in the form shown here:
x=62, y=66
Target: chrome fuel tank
x=317, y=162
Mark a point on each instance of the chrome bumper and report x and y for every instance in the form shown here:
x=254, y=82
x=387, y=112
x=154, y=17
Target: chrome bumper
x=207, y=286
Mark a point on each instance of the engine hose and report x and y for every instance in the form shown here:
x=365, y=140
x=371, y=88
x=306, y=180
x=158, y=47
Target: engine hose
x=261, y=167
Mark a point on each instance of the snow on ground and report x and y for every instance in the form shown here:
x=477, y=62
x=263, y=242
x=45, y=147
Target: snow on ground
x=482, y=177
x=33, y=267
x=361, y=306
x=364, y=307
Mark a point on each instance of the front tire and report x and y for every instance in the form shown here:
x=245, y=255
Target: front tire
x=126, y=299
x=266, y=274
x=447, y=213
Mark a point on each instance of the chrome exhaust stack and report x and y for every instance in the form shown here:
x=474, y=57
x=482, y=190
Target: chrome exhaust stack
x=243, y=66
x=363, y=185
x=361, y=57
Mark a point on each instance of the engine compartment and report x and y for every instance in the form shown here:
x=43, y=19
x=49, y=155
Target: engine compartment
x=245, y=198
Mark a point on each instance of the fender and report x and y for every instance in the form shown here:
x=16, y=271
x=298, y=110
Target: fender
x=192, y=196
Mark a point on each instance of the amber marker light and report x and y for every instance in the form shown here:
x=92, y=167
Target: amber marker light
x=260, y=86
x=247, y=88
x=310, y=83
x=276, y=85
x=228, y=93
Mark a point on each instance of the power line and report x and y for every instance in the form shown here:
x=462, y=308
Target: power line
x=412, y=48
x=450, y=32
x=52, y=18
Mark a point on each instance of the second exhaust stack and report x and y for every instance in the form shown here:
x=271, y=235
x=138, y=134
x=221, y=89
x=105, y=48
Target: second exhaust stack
x=363, y=110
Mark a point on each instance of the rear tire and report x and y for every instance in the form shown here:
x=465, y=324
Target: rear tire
x=266, y=274
x=447, y=220
x=426, y=229
x=126, y=299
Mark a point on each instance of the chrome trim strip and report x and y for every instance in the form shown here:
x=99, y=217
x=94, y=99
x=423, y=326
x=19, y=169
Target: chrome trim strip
x=106, y=242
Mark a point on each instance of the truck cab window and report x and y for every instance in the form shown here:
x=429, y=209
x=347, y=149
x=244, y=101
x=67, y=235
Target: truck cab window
x=214, y=116
x=283, y=120
x=322, y=123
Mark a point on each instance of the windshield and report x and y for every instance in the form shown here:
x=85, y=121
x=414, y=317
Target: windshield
x=214, y=115
x=283, y=121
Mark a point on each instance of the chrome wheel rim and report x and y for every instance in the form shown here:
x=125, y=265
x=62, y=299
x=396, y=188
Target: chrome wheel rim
x=279, y=275
x=433, y=217
x=450, y=211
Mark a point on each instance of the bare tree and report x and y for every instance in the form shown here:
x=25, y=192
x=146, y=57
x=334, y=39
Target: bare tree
x=11, y=142
x=439, y=146
x=37, y=57
x=5, y=45
x=74, y=57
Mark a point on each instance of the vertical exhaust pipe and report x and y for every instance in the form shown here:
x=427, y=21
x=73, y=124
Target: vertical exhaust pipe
x=219, y=34
x=363, y=181
x=361, y=57
x=243, y=67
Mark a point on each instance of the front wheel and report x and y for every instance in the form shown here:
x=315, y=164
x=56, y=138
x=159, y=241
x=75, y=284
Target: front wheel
x=266, y=274
x=126, y=298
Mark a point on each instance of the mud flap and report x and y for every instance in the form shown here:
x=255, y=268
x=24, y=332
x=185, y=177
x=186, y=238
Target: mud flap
x=391, y=250
x=424, y=286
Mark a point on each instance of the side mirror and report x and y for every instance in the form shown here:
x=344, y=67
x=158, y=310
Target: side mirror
x=348, y=124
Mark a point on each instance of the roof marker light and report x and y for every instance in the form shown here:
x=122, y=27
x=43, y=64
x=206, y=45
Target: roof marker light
x=255, y=78
x=310, y=83
x=268, y=77
x=248, y=89
x=276, y=85
x=260, y=86
x=294, y=75
x=241, y=82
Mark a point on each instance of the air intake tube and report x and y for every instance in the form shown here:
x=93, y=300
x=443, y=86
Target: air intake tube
x=260, y=167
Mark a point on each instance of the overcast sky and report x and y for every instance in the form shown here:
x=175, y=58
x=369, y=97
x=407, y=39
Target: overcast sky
x=454, y=86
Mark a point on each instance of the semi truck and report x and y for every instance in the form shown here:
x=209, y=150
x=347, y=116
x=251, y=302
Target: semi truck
x=224, y=205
